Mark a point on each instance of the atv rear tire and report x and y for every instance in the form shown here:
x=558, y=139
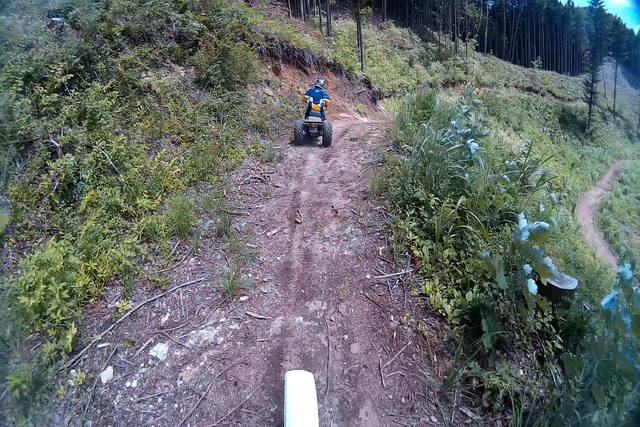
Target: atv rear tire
x=327, y=134
x=299, y=133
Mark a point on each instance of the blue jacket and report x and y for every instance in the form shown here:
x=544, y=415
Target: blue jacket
x=317, y=95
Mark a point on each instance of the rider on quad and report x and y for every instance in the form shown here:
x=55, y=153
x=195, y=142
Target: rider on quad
x=314, y=124
x=317, y=100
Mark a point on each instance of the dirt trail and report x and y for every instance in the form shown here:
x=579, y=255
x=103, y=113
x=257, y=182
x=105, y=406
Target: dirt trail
x=588, y=209
x=315, y=303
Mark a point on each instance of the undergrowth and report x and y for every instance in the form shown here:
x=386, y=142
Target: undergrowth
x=620, y=216
x=487, y=218
x=110, y=114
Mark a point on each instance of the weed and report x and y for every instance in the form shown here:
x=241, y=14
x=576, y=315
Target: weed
x=180, y=216
x=223, y=225
x=233, y=282
x=272, y=154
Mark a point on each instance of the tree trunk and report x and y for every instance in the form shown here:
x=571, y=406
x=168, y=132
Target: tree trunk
x=486, y=29
x=329, y=24
x=319, y=7
x=360, y=36
x=615, y=88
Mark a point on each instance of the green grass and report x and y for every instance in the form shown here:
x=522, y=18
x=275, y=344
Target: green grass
x=577, y=162
x=395, y=57
x=620, y=215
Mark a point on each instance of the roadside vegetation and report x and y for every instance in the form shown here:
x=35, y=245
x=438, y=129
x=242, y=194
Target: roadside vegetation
x=112, y=113
x=487, y=222
x=620, y=216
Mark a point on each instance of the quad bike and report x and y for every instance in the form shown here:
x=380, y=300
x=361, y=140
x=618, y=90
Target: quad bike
x=313, y=127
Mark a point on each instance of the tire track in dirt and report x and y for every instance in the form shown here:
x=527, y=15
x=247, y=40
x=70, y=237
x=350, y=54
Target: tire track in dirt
x=588, y=209
x=319, y=262
x=318, y=234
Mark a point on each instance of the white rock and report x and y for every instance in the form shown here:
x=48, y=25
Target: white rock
x=134, y=383
x=127, y=384
x=160, y=351
x=219, y=340
x=299, y=319
x=165, y=318
x=106, y=375
x=244, y=298
x=103, y=345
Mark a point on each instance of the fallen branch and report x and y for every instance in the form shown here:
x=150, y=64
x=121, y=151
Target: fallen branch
x=77, y=357
x=149, y=341
x=236, y=408
x=380, y=371
x=326, y=392
x=95, y=382
x=174, y=340
x=397, y=354
x=207, y=390
x=374, y=301
x=257, y=316
x=109, y=159
x=400, y=273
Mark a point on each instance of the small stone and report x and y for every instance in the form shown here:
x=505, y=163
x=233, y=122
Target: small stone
x=219, y=340
x=106, y=375
x=165, y=318
x=299, y=319
x=134, y=383
x=244, y=298
x=355, y=348
x=103, y=345
x=333, y=319
x=160, y=351
x=127, y=384
x=433, y=419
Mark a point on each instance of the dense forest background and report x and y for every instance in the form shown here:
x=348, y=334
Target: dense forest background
x=548, y=34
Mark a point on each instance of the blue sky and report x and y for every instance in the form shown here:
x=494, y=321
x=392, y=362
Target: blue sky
x=628, y=10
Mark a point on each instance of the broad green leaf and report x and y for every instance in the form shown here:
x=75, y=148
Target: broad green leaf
x=572, y=365
x=598, y=394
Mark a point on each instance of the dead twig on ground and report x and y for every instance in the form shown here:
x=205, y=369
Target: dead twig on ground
x=175, y=340
x=175, y=328
x=95, y=382
x=149, y=396
x=104, y=153
x=77, y=357
x=147, y=342
x=173, y=266
x=397, y=354
x=326, y=392
x=257, y=316
x=235, y=409
x=380, y=371
x=367, y=296
x=208, y=389
x=400, y=273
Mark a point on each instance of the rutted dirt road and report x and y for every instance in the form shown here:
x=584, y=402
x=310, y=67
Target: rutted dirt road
x=316, y=303
x=588, y=209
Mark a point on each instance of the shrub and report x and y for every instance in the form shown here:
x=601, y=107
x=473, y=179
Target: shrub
x=180, y=216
